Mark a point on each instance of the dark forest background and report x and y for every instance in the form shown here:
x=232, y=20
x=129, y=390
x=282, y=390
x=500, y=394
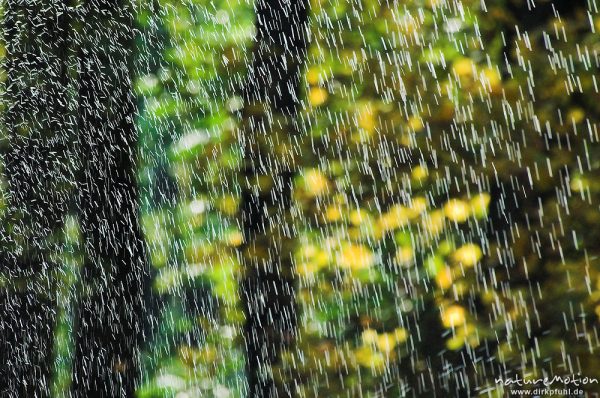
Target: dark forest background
x=351, y=198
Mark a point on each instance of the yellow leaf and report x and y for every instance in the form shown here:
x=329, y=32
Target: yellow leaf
x=396, y=217
x=575, y=115
x=455, y=343
x=457, y=210
x=333, y=213
x=312, y=76
x=369, y=337
x=401, y=335
x=356, y=257
x=315, y=182
x=366, y=119
x=405, y=256
x=433, y=222
x=468, y=255
x=234, y=238
x=493, y=78
x=415, y=123
x=228, y=204
x=463, y=67
x=386, y=343
x=453, y=316
x=419, y=173
x=419, y=205
x=317, y=96
x=307, y=269
x=444, y=278
x=369, y=358
x=358, y=217
x=480, y=204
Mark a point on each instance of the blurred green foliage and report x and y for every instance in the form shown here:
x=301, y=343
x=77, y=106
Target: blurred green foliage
x=447, y=204
x=193, y=55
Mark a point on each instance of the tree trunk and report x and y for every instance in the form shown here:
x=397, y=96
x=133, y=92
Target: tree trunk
x=109, y=320
x=38, y=176
x=271, y=101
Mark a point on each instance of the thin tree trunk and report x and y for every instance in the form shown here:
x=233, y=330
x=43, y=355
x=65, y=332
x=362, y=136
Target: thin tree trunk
x=38, y=177
x=271, y=102
x=109, y=320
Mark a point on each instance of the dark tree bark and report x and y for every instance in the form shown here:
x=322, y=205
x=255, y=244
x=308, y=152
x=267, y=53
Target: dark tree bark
x=271, y=101
x=37, y=130
x=109, y=321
